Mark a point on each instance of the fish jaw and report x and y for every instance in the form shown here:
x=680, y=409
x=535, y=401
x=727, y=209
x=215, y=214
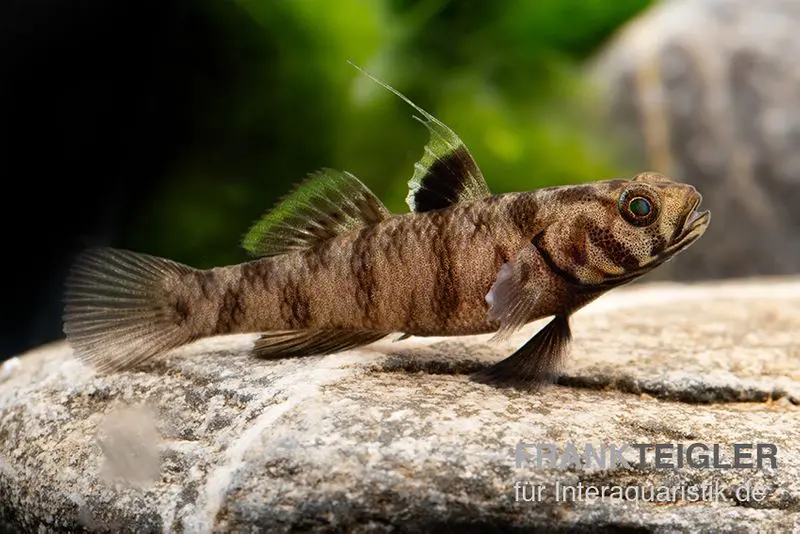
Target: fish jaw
x=694, y=226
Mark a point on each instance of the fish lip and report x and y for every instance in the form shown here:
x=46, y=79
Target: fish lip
x=696, y=219
x=692, y=220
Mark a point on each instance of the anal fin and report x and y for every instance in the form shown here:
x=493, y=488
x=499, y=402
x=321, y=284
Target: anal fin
x=535, y=363
x=293, y=343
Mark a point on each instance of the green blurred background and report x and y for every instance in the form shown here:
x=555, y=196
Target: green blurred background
x=282, y=101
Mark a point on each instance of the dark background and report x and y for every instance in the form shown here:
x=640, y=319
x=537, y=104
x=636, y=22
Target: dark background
x=168, y=127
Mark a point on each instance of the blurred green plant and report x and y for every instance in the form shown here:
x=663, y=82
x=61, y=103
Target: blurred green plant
x=282, y=101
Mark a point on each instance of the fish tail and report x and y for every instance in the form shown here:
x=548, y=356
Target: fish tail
x=119, y=308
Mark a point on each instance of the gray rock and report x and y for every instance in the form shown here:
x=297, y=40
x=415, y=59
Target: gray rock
x=708, y=92
x=395, y=436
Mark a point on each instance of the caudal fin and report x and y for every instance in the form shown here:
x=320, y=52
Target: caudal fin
x=117, y=311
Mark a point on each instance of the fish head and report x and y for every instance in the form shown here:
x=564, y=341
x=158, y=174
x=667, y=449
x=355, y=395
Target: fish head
x=677, y=222
x=621, y=229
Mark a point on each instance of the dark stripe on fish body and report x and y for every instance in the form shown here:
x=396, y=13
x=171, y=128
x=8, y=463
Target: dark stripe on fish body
x=232, y=311
x=323, y=254
x=615, y=250
x=393, y=244
x=657, y=242
x=313, y=261
x=301, y=312
x=481, y=221
x=182, y=309
x=269, y=274
x=285, y=306
x=294, y=305
x=577, y=250
x=522, y=211
x=206, y=281
x=361, y=268
x=412, y=316
x=445, y=294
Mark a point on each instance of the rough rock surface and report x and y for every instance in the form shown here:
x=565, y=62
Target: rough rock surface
x=706, y=91
x=395, y=435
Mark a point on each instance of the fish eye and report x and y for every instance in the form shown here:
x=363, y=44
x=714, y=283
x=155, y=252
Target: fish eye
x=638, y=207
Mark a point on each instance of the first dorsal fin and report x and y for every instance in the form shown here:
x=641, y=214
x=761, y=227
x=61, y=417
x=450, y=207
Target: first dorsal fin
x=447, y=173
x=328, y=204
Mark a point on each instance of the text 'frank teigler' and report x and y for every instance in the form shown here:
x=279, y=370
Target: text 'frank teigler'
x=646, y=456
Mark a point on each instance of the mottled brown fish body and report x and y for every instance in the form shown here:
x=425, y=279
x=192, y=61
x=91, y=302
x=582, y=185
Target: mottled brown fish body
x=420, y=274
x=336, y=270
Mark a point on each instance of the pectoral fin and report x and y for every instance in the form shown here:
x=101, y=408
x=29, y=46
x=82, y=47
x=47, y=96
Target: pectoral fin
x=516, y=293
x=292, y=343
x=328, y=204
x=447, y=173
x=535, y=363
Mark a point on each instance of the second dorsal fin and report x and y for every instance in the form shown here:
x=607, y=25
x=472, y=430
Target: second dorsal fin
x=447, y=173
x=328, y=204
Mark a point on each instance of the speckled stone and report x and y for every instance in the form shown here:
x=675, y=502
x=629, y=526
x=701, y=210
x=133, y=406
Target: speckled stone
x=395, y=437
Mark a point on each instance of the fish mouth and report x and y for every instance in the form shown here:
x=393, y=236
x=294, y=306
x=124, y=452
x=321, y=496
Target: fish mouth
x=694, y=225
